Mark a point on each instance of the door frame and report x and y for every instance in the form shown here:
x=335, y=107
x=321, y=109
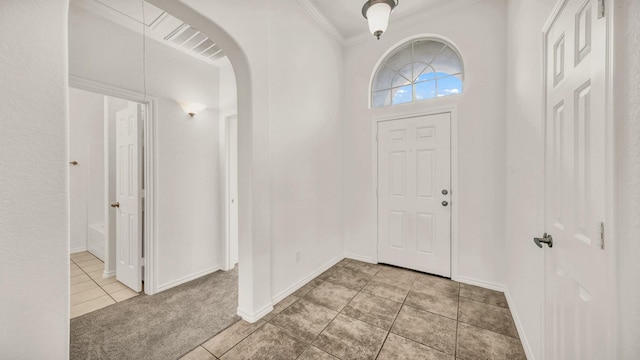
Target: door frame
x=433, y=110
x=149, y=170
x=227, y=260
x=610, y=219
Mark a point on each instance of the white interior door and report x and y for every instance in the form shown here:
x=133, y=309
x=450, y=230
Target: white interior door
x=129, y=123
x=576, y=295
x=414, y=179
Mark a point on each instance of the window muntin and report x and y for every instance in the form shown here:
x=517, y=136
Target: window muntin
x=421, y=69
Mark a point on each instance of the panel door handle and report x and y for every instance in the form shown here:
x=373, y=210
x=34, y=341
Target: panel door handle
x=545, y=239
x=115, y=205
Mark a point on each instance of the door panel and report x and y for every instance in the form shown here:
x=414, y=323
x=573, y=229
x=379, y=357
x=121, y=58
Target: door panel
x=414, y=160
x=576, y=295
x=129, y=196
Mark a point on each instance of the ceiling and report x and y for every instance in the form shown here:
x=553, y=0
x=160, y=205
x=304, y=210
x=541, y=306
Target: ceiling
x=346, y=15
x=158, y=25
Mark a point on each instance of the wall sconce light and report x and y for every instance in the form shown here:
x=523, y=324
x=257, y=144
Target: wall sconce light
x=192, y=108
x=377, y=13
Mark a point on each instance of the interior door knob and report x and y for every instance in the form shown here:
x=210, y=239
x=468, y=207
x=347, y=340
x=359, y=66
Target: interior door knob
x=115, y=205
x=445, y=203
x=546, y=239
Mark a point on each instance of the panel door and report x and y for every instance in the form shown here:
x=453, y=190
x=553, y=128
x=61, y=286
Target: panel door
x=129, y=196
x=576, y=299
x=414, y=177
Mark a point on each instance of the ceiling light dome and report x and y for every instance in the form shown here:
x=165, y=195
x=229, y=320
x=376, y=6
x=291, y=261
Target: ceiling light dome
x=377, y=13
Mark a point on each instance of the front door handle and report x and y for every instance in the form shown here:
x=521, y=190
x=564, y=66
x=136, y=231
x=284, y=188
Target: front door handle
x=115, y=205
x=546, y=239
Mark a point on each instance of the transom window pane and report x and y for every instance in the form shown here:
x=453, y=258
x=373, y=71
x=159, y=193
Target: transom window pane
x=418, y=70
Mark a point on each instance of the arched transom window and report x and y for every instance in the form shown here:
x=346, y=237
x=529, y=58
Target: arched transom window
x=418, y=70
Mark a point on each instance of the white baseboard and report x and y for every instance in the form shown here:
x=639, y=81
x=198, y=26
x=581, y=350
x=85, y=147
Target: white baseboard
x=77, y=250
x=291, y=289
x=360, y=258
x=251, y=318
x=187, y=278
x=108, y=274
x=480, y=283
x=521, y=333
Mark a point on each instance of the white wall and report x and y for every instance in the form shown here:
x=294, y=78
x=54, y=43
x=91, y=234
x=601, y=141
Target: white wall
x=305, y=76
x=188, y=204
x=479, y=32
x=86, y=180
x=628, y=156
x=525, y=167
x=228, y=98
x=34, y=233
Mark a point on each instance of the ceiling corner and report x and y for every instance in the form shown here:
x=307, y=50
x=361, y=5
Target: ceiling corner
x=322, y=20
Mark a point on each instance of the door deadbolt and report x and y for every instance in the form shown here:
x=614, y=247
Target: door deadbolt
x=445, y=192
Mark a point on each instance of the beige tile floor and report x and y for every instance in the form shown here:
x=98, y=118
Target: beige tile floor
x=89, y=290
x=357, y=310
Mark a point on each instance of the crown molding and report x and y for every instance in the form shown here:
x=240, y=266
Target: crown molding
x=322, y=20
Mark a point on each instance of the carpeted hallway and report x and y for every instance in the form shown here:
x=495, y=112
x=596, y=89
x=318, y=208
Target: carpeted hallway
x=163, y=326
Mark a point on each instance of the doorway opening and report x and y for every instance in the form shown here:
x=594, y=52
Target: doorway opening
x=106, y=194
x=183, y=220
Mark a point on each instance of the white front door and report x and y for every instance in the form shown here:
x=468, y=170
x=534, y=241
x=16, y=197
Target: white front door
x=129, y=124
x=577, y=301
x=414, y=194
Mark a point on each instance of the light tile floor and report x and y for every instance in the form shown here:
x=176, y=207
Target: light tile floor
x=357, y=310
x=89, y=290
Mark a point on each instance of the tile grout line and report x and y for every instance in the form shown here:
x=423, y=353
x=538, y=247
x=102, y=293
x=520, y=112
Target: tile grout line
x=95, y=282
x=482, y=327
x=338, y=313
x=396, y=317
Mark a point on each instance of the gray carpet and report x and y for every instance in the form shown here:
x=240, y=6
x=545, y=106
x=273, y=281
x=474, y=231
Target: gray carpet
x=163, y=326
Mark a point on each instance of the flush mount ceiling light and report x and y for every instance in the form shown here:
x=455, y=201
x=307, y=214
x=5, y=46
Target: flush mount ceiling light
x=377, y=12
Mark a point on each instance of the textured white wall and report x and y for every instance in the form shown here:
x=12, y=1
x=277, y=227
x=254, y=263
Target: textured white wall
x=306, y=145
x=228, y=100
x=189, y=206
x=479, y=31
x=34, y=234
x=628, y=210
x=188, y=203
x=525, y=167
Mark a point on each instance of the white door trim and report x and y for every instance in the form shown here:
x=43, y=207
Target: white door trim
x=227, y=258
x=610, y=161
x=150, y=223
x=453, y=110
